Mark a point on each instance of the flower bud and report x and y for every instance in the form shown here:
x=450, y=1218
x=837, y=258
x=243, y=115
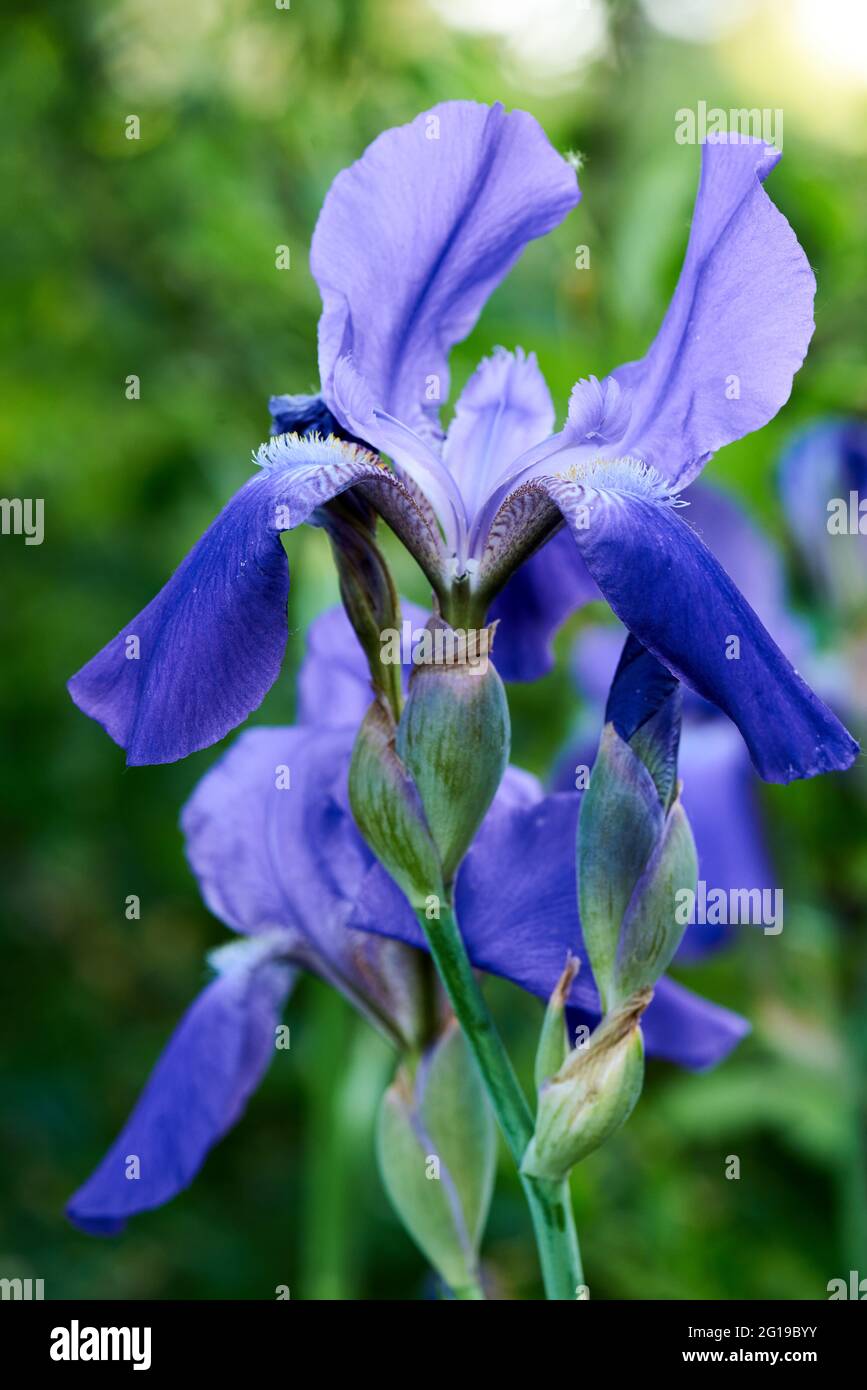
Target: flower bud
x=592, y=1094
x=553, y=1046
x=635, y=847
x=388, y=810
x=436, y=1149
x=366, y=586
x=454, y=737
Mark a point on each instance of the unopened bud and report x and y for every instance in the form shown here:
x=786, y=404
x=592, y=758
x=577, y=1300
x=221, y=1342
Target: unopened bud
x=454, y=737
x=388, y=810
x=591, y=1096
x=635, y=847
x=436, y=1147
x=553, y=1046
x=366, y=586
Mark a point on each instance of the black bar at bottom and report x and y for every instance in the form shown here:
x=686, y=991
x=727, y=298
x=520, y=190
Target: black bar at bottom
x=84, y=1338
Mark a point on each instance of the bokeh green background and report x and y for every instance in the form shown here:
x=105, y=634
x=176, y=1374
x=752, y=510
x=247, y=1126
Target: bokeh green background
x=156, y=258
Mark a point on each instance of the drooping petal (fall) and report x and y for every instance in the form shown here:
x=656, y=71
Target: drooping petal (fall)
x=271, y=839
x=198, y=1089
x=669, y=590
x=204, y=653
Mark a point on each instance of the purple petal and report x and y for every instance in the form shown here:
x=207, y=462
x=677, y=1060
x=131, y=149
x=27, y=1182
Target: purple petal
x=265, y=822
x=597, y=412
x=210, y=645
x=738, y=325
x=272, y=841
x=534, y=604
x=413, y=238
x=516, y=901
x=749, y=558
x=334, y=687
x=667, y=588
x=504, y=409
x=719, y=796
x=828, y=462
x=198, y=1089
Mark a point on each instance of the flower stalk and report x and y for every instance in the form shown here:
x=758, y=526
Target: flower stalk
x=549, y=1201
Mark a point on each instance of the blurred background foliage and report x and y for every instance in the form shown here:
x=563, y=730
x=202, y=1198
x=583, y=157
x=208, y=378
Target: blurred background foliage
x=156, y=257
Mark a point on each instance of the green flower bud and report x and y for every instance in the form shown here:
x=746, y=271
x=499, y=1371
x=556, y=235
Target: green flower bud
x=591, y=1096
x=366, y=586
x=388, y=810
x=420, y=788
x=454, y=737
x=650, y=933
x=634, y=855
x=553, y=1046
x=436, y=1149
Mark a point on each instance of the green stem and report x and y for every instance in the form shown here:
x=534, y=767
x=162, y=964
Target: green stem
x=549, y=1202
x=556, y=1236
x=470, y=1293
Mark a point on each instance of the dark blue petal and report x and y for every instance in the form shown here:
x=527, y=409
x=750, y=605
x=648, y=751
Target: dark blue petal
x=667, y=588
x=209, y=647
x=640, y=687
x=301, y=415
x=197, y=1091
x=750, y=559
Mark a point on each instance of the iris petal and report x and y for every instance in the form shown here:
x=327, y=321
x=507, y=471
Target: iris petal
x=503, y=410
x=669, y=590
x=271, y=839
x=198, y=1089
x=415, y=235
x=204, y=653
x=738, y=324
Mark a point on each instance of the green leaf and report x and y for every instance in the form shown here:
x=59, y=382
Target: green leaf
x=436, y=1149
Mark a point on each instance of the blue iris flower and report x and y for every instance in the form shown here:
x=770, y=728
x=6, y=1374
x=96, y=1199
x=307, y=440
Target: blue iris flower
x=410, y=242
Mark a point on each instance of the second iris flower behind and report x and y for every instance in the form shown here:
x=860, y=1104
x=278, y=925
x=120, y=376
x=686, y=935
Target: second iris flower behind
x=288, y=870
